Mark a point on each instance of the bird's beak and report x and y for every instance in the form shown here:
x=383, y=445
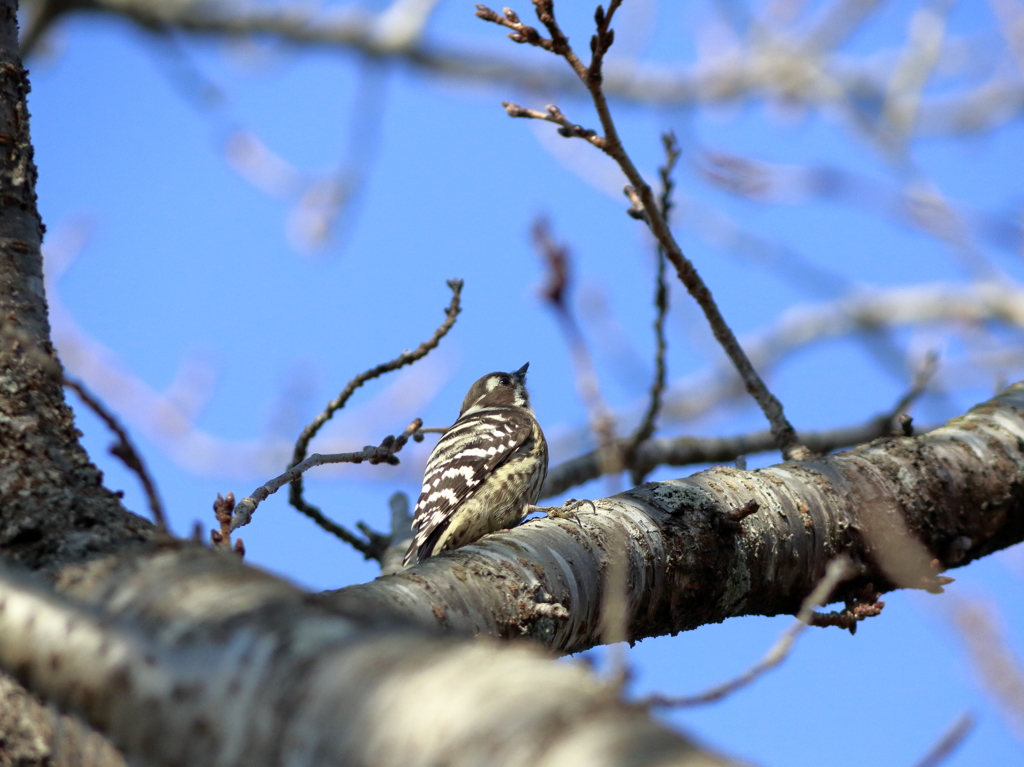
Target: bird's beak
x=521, y=373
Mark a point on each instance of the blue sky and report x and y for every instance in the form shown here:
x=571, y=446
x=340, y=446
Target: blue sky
x=174, y=273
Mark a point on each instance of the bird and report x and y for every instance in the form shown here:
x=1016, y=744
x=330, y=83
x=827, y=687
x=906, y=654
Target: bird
x=485, y=472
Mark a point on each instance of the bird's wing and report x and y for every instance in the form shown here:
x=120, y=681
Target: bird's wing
x=463, y=458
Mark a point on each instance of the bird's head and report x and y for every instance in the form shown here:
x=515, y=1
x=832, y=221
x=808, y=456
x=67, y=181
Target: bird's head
x=497, y=390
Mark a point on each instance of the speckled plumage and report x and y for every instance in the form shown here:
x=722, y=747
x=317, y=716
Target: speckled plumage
x=486, y=470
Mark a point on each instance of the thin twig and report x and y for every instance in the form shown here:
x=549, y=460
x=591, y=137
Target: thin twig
x=950, y=740
x=553, y=114
x=555, y=293
x=383, y=453
x=647, y=424
x=400, y=537
x=685, y=451
x=302, y=444
x=644, y=202
x=124, y=450
x=837, y=571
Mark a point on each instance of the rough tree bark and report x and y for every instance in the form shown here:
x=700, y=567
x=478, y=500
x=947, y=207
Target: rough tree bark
x=184, y=655
x=54, y=506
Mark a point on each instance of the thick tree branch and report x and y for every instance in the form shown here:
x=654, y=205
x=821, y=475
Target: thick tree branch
x=902, y=508
x=53, y=506
x=231, y=666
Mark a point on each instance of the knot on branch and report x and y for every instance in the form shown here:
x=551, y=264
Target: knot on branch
x=732, y=521
x=537, y=605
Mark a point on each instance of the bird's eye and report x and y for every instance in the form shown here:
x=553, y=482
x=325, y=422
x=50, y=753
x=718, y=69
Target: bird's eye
x=505, y=381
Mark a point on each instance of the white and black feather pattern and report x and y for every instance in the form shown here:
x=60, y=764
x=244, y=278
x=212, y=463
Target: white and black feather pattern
x=485, y=472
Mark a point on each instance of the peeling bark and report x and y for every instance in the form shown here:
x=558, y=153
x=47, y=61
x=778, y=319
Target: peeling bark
x=894, y=505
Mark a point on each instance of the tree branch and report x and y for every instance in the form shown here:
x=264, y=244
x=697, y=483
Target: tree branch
x=123, y=449
x=55, y=508
x=902, y=509
x=686, y=451
x=252, y=665
x=647, y=424
x=644, y=203
x=302, y=444
x=182, y=655
x=838, y=570
x=976, y=107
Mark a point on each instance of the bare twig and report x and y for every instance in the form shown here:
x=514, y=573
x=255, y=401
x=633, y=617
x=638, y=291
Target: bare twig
x=644, y=202
x=950, y=741
x=383, y=453
x=124, y=450
x=684, y=451
x=429, y=430
x=647, y=424
x=838, y=570
x=301, y=446
x=400, y=537
x=553, y=114
x=555, y=293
